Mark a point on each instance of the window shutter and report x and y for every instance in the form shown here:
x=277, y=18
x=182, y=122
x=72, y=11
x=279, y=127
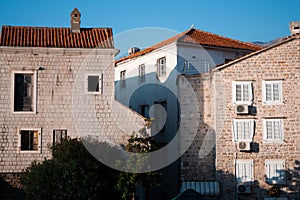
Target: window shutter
x=268, y=92
x=275, y=171
x=244, y=170
x=269, y=129
x=238, y=92
x=275, y=91
x=277, y=130
x=246, y=92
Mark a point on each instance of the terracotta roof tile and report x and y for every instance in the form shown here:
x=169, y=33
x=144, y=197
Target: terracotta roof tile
x=22, y=36
x=198, y=37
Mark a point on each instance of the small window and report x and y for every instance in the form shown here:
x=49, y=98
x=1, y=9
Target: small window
x=59, y=135
x=242, y=92
x=160, y=116
x=161, y=67
x=243, y=130
x=24, y=91
x=145, y=110
x=244, y=170
x=93, y=83
x=29, y=140
x=273, y=130
x=275, y=171
x=272, y=92
x=123, y=79
x=142, y=73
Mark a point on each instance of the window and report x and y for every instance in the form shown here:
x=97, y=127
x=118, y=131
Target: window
x=243, y=129
x=272, y=92
x=24, y=91
x=161, y=67
x=242, y=92
x=59, y=135
x=93, y=83
x=244, y=170
x=123, y=79
x=275, y=171
x=145, y=110
x=273, y=130
x=160, y=116
x=142, y=73
x=30, y=140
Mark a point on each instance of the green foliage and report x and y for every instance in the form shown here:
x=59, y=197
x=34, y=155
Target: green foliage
x=141, y=145
x=72, y=173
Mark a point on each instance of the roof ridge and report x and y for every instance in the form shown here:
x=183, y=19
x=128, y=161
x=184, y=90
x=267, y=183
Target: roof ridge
x=239, y=41
x=227, y=42
x=12, y=26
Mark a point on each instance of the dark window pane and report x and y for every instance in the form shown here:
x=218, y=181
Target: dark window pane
x=23, y=92
x=93, y=83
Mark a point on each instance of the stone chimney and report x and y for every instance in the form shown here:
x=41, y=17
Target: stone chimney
x=295, y=27
x=75, y=21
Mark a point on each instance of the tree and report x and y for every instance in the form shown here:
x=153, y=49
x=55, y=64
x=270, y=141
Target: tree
x=140, y=144
x=72, y=173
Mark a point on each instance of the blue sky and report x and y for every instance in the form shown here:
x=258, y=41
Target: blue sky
x=255, y=20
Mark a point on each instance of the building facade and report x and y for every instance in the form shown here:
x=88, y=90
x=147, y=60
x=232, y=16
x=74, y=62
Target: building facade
x=249, y=110
x=57, y=83
x=146, y=79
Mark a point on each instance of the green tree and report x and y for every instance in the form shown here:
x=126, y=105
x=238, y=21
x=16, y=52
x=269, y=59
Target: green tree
x=140, y=144
x=72, y=173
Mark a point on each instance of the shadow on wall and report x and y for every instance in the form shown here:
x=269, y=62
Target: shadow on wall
x=290, y=189
x=8, y=192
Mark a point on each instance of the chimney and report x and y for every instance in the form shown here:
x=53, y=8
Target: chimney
x=75, y=21
x=295, y=27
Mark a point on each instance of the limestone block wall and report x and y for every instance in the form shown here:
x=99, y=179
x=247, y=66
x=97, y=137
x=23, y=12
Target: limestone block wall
x=62, y=100
x=280, y=62
x=198, y=162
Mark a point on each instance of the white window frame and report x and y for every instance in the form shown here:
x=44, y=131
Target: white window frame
x=250, y=92
x=161, y=72
x=99, y=83
x=142, y=73
x=39, y=130
x=235, y=129
x=272, y=101
x=244, y=165
x=268, y=167
x=34, y=89
x=273, y=139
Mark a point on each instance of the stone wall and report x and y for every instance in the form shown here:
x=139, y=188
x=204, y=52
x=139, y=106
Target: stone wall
x=198, y=162
x=278, y=63
x=217, y=111
x=62, y=100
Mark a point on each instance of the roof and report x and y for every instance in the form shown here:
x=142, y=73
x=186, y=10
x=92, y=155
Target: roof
x=282, y=41
x=200, y=37
x=23, y=36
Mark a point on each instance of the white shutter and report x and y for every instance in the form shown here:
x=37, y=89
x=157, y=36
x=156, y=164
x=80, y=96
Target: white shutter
x=268, y=92
x=243, y=129
x=275, y=171
x=244, y=170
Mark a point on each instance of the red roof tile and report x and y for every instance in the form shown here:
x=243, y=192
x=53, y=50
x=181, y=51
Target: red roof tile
x=198, y=37
x=22, y=36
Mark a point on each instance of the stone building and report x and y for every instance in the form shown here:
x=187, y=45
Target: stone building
x=249, y=124
x=57, y=83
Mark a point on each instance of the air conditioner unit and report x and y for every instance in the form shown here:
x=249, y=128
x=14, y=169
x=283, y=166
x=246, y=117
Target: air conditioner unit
x=242, y=109
x=244, y=146
x=244, y=188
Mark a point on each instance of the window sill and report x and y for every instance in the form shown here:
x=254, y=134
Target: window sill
x=24, y=112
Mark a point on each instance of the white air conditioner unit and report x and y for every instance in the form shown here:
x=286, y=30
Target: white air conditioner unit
x=244, y=146
x=244, y=188
x=242, y=109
